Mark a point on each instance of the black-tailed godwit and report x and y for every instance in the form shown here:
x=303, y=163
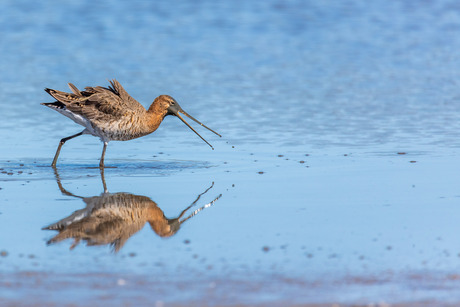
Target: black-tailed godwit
x=113, y=115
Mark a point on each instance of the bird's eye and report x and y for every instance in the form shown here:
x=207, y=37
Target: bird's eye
x=172, y=102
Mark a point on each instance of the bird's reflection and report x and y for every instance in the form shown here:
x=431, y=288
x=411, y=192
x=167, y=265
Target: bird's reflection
x=112, y=218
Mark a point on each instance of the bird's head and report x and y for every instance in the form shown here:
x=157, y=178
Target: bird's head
x=171, y=106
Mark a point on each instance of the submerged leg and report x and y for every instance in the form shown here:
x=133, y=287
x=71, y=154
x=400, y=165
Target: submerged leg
x=101, y=163
x=60, y=145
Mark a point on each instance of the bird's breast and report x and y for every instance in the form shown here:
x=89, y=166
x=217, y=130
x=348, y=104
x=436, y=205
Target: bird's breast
x=124, y=129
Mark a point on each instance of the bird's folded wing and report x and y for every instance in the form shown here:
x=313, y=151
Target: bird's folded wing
x=99, y=102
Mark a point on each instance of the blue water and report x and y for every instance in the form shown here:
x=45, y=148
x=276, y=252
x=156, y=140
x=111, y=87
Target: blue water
x=339, y=156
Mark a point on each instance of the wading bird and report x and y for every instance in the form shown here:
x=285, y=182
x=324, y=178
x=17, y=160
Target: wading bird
x=112, y=114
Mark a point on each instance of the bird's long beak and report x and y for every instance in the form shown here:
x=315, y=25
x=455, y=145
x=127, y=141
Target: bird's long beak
x=176, y=110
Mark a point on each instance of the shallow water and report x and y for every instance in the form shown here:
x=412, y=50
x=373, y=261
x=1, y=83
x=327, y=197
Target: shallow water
x=338, y=165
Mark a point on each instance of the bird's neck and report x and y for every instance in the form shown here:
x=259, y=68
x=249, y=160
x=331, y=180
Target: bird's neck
x=155, y=116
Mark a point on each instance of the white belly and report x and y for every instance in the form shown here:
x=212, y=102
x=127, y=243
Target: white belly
x=80, y=120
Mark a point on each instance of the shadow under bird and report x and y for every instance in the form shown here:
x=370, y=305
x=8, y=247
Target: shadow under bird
x=113, y=115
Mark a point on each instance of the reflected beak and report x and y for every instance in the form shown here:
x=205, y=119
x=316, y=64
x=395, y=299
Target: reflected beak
x=176, y=110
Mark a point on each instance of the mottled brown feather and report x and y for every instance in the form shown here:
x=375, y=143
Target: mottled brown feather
x=97, y=103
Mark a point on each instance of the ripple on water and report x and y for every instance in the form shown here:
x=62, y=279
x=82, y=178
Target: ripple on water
x=16, y=170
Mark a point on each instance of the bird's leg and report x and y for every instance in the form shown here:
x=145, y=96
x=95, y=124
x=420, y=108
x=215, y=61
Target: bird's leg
x=60, y=145
x=101, y=163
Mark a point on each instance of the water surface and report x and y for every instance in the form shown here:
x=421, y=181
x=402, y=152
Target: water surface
x=338, y=165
